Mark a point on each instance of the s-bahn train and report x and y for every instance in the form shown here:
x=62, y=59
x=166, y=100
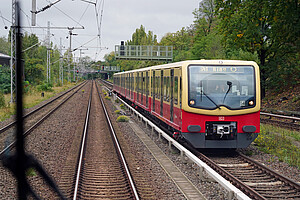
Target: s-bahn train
x=211, y=103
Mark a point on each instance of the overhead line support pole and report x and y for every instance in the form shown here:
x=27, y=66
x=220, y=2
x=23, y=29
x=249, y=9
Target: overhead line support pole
x=13, y=52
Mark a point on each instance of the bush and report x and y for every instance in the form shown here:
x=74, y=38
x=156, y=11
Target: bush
x=107, y=97
x=122, y=118
x=2, y=100
x=26, y=86
x=117, y=101
x=47, y=87
x=122, y=106
x=117, y=111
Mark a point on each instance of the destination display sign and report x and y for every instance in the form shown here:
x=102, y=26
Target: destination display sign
x=220, y=69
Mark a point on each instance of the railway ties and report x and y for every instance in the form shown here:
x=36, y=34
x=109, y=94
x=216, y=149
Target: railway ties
x=103, y=173
x=34, y=118
x=264, y=181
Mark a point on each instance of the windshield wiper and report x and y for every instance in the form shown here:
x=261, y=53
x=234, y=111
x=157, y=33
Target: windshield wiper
x=229, y=83
x=210, y=99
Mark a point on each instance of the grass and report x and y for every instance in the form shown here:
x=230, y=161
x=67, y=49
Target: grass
x=107, y=97
x=117, y=112
x=122, y=118
x=280, y=142
x=30, y=172
x=122, y=106
x=32, y=98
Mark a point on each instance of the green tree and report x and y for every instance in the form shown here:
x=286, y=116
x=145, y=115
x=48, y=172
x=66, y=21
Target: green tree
x=4, y=79
x=205, y=16
x=4, y=46
x=34, y=71
x=140, y=37
x=270, y=28
x=207, y=40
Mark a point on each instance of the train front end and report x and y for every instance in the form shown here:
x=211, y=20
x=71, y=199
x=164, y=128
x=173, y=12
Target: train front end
x=221, y=103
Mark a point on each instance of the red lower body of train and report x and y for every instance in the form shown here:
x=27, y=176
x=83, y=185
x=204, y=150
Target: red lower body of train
x=242, y=129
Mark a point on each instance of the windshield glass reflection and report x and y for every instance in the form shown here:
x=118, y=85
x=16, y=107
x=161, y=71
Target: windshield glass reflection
x=213, y=86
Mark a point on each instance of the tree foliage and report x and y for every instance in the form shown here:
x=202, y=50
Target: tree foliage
x=4, y=79
x=268, y=28
x=140, y=37
x=263, y=31
x=4, y=46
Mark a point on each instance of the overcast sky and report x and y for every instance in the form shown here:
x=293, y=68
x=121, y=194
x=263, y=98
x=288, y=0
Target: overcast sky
x=119, y=20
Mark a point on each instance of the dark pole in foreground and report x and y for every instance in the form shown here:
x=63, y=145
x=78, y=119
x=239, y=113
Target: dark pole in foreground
x=20, y=169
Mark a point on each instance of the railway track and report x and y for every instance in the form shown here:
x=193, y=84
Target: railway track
x=253, y=178
x=34, y=119
x=289, y=122
x=102, y=170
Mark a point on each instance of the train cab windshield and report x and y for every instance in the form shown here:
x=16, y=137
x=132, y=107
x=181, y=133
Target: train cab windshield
x=211, y=87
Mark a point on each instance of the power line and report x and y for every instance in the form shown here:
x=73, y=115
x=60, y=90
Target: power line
x=67, y=15
x=3, y=18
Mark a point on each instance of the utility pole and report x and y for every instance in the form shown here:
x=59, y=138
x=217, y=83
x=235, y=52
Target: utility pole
x=74, y=71
x=13, y=52
x=48, y=54
x=70, y=51
x=61, y=74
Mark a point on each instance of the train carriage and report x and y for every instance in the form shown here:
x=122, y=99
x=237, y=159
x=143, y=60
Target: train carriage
x=211, y=103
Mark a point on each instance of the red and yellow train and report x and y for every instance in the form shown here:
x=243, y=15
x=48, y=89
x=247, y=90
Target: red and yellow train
x=211, y=103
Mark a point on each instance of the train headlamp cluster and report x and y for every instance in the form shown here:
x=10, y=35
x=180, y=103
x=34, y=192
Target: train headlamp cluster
x=192, y=102
x=251, y=103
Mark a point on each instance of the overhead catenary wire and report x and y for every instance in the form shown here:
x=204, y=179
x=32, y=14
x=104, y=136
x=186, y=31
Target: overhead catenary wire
x=98, y=10
x=99, y=23
x=66, y=14
x=3, y=18
x=28, y=19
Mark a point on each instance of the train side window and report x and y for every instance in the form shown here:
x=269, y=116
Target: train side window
x=147, y=84
x=135, y=85
x=180, y=91
x=165, y=88
x=176, y=90
x=168, y=88
x=158, y=87
x=155, y=86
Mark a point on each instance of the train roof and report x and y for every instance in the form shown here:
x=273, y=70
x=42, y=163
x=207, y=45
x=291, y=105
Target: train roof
x=187, y=62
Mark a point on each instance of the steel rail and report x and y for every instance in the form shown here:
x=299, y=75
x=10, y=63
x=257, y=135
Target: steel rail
x=119, y=150
x=280, y=116
x=232, y=190
x=83, y=141
x=272, y=172
x=29, y=130
x=39, y=108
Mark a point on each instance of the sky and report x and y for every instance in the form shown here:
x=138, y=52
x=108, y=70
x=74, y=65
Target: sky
x=120, y=19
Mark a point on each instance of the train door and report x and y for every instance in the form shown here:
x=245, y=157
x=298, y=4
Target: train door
x=147, y=88
x=177, y=97
x=126, y=86
x=142, y=87
x=157, y=91
x=161, y=92
x=171, y=95
x=122, y=86
x=138, y=87
x=129, y=86
x=166, y=93
x=135, y=86
x=153, y=90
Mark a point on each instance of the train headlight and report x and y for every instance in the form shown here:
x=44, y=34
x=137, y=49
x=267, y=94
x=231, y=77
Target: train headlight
x=192, y=102
x=251, y=103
